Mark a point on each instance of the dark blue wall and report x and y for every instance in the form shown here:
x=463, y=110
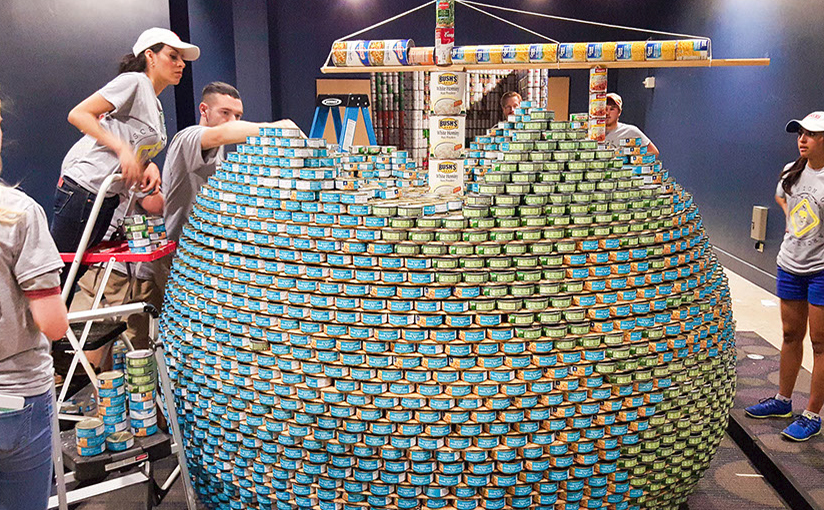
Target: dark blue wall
x=252, y=58
x=721, y=131
x=54, y=55
x=211, y=27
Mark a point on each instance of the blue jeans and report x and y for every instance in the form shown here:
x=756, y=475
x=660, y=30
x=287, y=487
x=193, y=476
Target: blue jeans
x=72, y=208
x=25, y=455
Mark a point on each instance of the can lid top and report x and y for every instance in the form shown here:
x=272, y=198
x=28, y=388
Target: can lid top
x=91, y=423
x=120, y=437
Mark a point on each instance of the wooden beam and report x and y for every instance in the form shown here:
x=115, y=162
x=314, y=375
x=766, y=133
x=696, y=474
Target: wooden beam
x=646, y=64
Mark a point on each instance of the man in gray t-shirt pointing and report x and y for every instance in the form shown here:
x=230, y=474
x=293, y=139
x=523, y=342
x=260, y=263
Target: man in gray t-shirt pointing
x=617, y=131
x=195, y=152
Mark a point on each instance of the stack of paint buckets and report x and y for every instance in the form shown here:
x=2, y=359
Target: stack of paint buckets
x=141, y=372
x=145, y=233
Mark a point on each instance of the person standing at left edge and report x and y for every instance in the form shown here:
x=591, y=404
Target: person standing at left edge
x=124, y=129
x=31, y=314
x=800, y=282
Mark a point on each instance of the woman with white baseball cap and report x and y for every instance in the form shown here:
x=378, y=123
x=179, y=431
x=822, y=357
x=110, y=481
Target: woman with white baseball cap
x=124, y=129
x=800, y=282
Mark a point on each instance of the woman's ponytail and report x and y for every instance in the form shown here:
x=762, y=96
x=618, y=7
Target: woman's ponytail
x=791, y=175
x=136, y=64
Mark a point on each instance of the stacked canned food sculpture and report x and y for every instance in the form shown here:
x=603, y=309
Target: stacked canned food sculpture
x=564, y=340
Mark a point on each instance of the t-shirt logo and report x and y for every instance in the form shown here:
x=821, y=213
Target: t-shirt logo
x=147, y=152
x=803, y=218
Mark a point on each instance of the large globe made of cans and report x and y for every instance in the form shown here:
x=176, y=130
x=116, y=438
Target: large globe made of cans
x=561, y=337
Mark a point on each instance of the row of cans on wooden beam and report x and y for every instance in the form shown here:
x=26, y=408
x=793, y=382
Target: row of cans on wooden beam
x=402, y=52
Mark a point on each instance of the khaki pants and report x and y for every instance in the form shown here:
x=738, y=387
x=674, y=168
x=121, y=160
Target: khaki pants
x=120, y=289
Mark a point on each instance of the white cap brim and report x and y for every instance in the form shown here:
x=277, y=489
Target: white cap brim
x=188, y=51
x=813, y=122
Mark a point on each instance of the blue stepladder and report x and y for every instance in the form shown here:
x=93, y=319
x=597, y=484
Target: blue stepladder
x=345, y=128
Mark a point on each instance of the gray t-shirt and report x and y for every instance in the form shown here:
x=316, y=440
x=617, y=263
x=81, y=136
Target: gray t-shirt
x=137, y=118
x=28, y=260
x=802, y=251
x=186, y=169
x=622, y=131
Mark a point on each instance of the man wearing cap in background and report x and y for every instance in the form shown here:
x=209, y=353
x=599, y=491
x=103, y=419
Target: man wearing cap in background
x=617, y=131
x=509, y=102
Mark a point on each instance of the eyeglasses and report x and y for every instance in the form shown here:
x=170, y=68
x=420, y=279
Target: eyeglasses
x=809, y=134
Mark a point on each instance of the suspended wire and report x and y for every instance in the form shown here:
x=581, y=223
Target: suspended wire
x=376, y=25
x=467, y=4
x=595, y=23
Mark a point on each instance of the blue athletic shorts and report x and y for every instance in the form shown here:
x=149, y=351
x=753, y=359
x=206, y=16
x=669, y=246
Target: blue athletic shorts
x=808, y=287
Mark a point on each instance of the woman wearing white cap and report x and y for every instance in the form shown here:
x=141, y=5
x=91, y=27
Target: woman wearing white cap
x=800, y=282
x=124, y=129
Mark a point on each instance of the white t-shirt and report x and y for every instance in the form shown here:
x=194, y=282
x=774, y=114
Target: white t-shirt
x=622, y=131
x=28, y=260
x=802, y=250
x=186, y=169
x=137, y=118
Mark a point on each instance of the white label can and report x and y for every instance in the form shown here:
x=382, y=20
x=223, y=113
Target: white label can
x=446, y=136
x=447, y=90
x=446, y=176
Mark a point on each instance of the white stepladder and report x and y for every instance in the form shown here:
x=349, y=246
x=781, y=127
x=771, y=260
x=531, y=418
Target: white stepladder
x=101, y=466
x=145, y=450
x=116, y=253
